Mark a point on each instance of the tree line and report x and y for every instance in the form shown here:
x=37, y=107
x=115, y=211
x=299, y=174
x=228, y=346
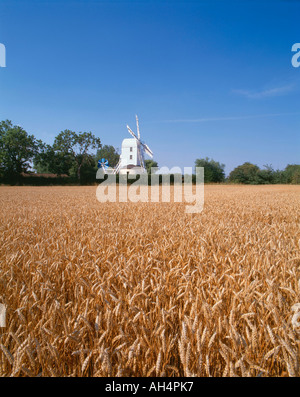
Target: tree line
x=75, y=155
x=248, y=173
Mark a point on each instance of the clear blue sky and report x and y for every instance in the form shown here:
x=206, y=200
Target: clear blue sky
x=206, y=78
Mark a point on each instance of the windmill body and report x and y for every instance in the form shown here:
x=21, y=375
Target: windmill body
x=129, y=153
x=132, y=154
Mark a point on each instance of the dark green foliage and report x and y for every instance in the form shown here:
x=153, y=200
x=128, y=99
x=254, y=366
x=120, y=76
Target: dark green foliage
x=54, y=161
x=213, y=170
x=292, y=173
x=150, y=164
x=251, y=174
x=71, y=154
x=109, y=153
x=17, y=150
x=76, y=148
x=246, y=173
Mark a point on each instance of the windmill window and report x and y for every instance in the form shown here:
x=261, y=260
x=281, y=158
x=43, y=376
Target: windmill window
x=131, y=157
x=131, y=149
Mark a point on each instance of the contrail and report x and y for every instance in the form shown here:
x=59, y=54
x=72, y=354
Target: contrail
x=205, y=119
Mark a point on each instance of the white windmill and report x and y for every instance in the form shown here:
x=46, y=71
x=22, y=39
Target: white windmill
x=132, y=153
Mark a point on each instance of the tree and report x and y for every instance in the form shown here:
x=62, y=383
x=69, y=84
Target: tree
x=109, y=153
x=246, y=173
x=149, y=164
x=266, y=176
x=213, y=170
x=17, y=149
x=57, y=162
x=76, y=147
x=292, y=173
x=279, y=177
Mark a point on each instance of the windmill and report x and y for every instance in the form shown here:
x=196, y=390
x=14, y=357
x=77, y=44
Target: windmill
x=133, y=150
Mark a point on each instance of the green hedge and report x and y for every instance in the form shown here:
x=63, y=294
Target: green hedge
x=87, y=179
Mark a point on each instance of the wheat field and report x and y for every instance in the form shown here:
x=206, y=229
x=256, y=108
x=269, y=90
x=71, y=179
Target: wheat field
x=144, y=289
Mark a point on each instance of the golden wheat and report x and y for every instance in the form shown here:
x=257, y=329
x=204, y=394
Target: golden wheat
x=144, y=289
